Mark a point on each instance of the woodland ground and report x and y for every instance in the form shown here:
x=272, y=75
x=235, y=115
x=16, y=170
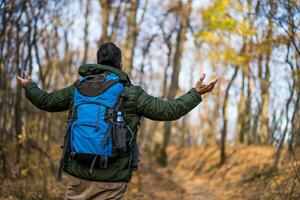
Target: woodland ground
x=192, y=173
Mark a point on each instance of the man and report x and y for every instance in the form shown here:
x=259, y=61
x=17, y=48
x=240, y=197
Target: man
x=111, y=182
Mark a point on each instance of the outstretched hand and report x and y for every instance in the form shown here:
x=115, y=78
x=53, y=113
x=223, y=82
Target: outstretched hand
x=24, y=81
x=203, y=88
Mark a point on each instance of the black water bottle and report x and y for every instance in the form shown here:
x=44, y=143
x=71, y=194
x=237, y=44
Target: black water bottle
x=120, y=132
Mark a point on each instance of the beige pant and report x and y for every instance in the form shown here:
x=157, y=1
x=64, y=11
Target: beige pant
x=79, y=189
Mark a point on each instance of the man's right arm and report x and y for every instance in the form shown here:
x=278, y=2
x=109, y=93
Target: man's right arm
x=158, y=109
x=52, y=102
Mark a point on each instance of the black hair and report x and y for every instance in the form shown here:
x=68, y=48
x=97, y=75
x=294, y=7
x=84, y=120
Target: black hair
x=109, y=54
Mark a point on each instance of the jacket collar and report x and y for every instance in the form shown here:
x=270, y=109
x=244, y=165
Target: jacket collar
x=91, y=69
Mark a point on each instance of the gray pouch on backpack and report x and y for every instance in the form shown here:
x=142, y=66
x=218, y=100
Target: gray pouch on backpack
x=119, y=136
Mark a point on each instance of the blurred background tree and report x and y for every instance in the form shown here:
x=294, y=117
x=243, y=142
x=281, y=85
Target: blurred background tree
x=252, y=45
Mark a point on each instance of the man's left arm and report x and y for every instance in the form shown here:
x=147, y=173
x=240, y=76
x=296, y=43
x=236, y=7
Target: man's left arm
x=155, y=108
x=164, y=110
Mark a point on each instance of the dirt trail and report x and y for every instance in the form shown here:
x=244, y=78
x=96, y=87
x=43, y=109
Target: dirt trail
x=195, y=177
x=198, y=191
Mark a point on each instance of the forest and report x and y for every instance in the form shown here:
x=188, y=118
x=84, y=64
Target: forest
x=241, y=142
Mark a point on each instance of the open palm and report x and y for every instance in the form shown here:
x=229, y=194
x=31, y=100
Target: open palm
x=202, y=87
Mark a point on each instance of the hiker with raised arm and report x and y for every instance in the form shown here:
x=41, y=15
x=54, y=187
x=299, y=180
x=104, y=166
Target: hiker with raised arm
x=100, y=151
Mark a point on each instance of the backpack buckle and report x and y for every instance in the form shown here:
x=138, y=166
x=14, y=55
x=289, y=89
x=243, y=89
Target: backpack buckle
x=72, y=156
x=103, y=161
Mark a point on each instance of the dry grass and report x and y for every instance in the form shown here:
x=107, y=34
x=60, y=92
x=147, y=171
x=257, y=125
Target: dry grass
x=247, y=174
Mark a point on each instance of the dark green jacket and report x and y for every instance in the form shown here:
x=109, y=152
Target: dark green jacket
x=137, y=104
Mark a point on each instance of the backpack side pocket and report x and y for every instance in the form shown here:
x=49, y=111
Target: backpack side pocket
x=119, y=136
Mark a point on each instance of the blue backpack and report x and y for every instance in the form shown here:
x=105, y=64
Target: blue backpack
x=96, y=122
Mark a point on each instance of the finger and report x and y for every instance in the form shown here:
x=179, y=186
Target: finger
x=19, y=80
x=208, y=89
x=213, y=82
x=205, y=87
x=211, y=87
x=26, y=75
x=202, y=77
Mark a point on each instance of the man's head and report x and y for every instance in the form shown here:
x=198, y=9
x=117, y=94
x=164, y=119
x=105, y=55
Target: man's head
x=109, y=54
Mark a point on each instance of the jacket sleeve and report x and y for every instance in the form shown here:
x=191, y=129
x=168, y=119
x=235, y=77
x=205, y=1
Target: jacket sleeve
x=52, y=102
x=166, y=110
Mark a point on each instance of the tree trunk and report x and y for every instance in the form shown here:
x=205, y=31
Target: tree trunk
x=132, y=32
x=86, y=32
x=244, y=108
x=115, y=24
x=180, y=40
x=256, y=116
x=265, y=133
x=265, y=95
x=241, y=114
x=295, y=120
x=18, y=97
x=105, y=11
x=224, y=114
